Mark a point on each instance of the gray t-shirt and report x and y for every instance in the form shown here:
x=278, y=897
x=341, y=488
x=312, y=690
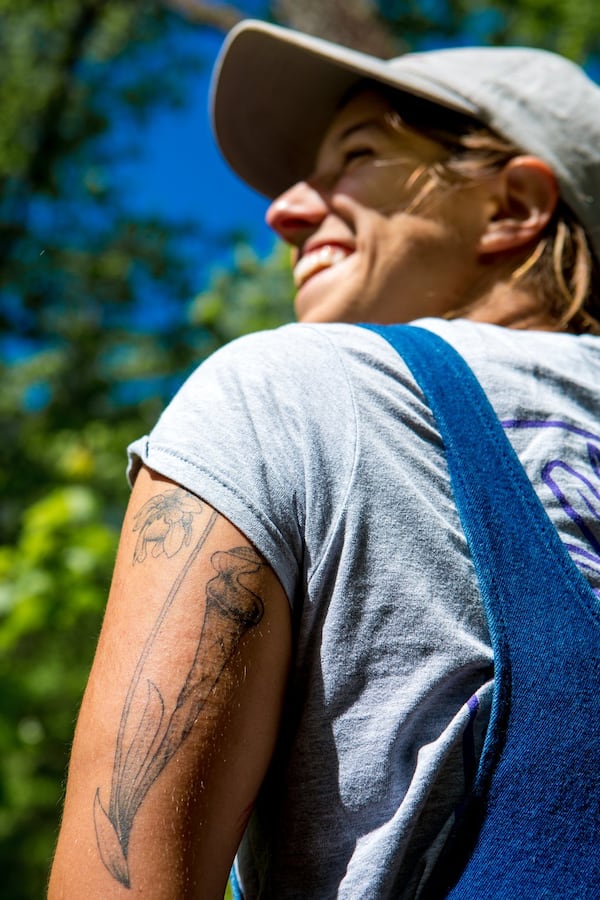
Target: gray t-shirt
x=316, y=442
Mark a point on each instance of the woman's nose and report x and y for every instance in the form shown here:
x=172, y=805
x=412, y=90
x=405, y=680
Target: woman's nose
x=295, y=214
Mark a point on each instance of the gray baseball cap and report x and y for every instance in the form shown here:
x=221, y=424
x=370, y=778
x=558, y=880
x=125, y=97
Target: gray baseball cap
x=275, y=91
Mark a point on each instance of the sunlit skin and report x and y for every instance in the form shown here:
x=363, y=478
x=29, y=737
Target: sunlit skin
x=366, y=247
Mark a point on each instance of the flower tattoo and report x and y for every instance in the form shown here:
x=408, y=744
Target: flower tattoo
x=165, y=524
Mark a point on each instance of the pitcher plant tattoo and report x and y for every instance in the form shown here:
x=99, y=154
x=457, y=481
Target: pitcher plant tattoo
x=152, y=728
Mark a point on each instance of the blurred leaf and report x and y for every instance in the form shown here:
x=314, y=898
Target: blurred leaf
x=254, y=294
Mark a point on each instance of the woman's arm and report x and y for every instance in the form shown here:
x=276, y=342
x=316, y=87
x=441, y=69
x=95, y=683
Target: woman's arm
x=181, y=712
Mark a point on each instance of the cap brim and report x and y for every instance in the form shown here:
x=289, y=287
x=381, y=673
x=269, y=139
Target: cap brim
x=274, y=92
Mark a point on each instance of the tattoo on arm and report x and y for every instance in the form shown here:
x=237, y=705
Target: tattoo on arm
x=165, y=524
x=151, y=733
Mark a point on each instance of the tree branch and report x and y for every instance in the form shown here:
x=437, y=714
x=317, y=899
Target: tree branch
x=220, y=16
x=355, y=23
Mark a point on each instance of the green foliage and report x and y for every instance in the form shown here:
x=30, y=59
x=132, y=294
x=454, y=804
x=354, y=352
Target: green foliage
x=572, y=29
x=53, y=585
x=254, y=294
x=76, y=266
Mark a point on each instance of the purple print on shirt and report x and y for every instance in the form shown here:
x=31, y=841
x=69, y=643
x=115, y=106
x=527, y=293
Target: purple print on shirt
x=577, y=489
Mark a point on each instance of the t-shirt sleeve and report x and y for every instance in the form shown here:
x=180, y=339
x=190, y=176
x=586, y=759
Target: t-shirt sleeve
x=247, y=433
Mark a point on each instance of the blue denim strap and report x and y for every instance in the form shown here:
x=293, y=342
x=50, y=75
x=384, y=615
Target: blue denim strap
x=530, y=827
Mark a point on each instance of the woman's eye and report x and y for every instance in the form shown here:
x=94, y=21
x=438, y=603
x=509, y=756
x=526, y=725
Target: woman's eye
x=357, y=153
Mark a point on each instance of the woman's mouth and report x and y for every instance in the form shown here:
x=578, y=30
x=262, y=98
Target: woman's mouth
x=324, y=257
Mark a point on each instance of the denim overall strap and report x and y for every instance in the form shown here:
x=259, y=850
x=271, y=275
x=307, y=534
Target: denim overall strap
x=530, y=828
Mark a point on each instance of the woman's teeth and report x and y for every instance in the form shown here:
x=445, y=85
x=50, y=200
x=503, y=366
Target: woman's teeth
x=322, y=258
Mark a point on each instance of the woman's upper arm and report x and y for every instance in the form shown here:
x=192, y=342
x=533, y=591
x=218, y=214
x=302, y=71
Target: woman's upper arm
x=182, y=708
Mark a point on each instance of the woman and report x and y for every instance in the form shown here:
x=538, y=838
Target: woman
x=295, y=655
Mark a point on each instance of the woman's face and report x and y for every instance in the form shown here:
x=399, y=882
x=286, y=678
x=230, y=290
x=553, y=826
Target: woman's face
x=367, y=248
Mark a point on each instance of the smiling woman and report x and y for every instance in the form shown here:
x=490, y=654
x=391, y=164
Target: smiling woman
x=372, y=159
x=296, y=669
x=365, y=237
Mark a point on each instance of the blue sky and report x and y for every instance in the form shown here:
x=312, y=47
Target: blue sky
x=178, y=172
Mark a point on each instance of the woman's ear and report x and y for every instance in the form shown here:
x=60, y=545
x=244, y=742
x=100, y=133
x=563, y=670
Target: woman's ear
x=525, y=197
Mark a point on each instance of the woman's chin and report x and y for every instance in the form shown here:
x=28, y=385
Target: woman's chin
x=328, y=296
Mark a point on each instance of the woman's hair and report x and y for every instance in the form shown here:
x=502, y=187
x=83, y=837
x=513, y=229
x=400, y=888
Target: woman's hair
x=561, y=267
